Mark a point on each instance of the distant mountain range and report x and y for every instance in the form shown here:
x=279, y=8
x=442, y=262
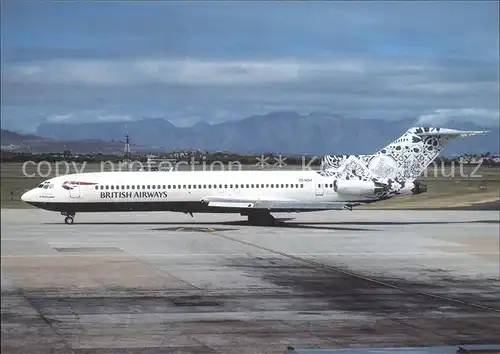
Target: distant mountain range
x=12, y=138
x=278, y=132
x=26, y=143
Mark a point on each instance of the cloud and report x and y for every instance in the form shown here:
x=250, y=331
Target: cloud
x=89, y=116
x=434, y=77
x=185, y=91
x=480, y=116
x=171, y=72
x=218, y=61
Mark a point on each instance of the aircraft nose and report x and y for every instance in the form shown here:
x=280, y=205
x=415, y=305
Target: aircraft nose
x=27, y=196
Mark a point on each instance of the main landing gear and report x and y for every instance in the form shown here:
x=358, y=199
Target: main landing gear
x=69, y=217
x=261, y=219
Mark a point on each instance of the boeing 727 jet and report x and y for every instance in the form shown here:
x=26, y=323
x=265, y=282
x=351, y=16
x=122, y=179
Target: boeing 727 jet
x=341, y=183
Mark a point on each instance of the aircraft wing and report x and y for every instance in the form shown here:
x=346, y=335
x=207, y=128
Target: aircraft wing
x=271, y=204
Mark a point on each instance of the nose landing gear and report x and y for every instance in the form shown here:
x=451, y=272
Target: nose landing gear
x=69, y=217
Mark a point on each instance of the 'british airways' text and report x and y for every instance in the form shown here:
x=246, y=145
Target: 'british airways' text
x=133, y=194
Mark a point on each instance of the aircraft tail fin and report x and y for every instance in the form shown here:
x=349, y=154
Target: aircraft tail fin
x=408, y=156
x=401, y=161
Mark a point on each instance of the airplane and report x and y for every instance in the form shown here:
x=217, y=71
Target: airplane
x=342, y=182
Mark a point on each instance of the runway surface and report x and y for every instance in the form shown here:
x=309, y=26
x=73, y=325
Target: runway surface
x=169, y=283
x=481, y=206
x=495, y=205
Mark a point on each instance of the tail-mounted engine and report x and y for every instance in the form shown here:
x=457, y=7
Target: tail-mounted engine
x=359, y=188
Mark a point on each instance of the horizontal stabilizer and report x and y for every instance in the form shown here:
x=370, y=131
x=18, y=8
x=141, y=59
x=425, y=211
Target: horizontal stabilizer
x=451, y=132
x=271, y=204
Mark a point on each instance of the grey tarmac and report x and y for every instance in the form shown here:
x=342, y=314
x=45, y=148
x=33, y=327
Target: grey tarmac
x=169, y=283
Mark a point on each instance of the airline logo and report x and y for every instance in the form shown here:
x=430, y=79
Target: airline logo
x=71, y=184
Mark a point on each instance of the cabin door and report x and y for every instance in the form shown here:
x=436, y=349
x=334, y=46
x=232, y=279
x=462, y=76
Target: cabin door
x=319, y=188
x=75, y=192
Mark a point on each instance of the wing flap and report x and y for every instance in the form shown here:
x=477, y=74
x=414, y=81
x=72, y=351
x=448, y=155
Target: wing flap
x=271, y=204
x=230, y=204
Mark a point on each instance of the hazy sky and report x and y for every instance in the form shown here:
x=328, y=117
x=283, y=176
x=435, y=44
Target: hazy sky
x=217, y=61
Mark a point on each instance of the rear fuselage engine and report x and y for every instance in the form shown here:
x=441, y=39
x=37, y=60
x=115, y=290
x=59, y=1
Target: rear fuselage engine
x=358, y=188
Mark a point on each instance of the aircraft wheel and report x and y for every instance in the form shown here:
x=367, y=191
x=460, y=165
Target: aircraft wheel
x=68, y=220
x=261, y=219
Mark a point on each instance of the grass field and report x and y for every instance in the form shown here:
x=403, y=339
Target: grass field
x=448, y=186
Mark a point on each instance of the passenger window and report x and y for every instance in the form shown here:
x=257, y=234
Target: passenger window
x=153, y=186
x=96, y=187
x=194, y=186
x=199, y=186
x=256, y=186
x=112, y=187
x=132, y=186
x=272, y=185
x=225, y=186
x=301, y=185
x=230, y=186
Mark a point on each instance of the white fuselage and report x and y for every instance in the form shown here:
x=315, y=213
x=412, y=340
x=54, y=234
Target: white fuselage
x=181, y=191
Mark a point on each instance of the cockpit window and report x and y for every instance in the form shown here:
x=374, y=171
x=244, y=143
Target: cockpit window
x=40, y=185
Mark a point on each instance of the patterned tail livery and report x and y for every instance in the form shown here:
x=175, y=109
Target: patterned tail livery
x=398, y=163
